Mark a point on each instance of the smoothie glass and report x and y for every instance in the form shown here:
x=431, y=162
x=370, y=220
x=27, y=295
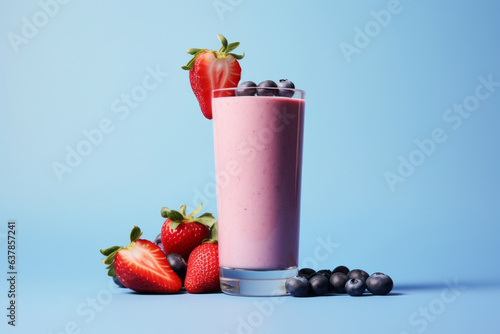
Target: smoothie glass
x=258, y=164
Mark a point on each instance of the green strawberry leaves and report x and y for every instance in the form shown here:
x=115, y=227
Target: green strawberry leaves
x=135, y=234
x=109, y=250
x=225, y=50
x=164, y=212
x=196, y=211
x=223, y=40
x=206, y=219
x=182, y=210
x=175, y=216
x=179, y=217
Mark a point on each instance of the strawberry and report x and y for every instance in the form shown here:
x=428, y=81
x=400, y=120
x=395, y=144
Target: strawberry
x=209, y=70
x=203, y=269
x=181, y=233
x=141, y=266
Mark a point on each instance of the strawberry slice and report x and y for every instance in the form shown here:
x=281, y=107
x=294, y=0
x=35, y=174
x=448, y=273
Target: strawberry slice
x=141, y=266
x=209, y=70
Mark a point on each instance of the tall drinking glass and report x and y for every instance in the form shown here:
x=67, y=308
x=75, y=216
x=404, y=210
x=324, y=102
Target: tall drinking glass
x=258, y=164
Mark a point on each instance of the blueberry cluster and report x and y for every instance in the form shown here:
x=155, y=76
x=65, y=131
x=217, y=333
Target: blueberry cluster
x=266, y=88
x=339, y=280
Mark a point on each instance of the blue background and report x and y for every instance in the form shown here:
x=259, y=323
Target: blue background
x=364, y=113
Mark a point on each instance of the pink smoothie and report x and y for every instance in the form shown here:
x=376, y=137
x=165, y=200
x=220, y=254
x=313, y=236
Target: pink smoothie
x=258, y=159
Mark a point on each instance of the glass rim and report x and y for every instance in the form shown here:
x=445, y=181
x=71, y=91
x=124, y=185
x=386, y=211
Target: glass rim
x=301, y=92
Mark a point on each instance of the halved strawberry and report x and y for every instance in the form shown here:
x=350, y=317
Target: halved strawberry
x=141, y=266
x=209, y=70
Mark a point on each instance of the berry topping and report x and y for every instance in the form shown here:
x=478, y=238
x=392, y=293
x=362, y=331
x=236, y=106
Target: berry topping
x=247, y=88
x=266, y=88
x=209, y=70
x=285, y=86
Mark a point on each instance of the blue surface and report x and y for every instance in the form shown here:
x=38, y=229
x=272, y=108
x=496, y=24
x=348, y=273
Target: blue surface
x=366, y=111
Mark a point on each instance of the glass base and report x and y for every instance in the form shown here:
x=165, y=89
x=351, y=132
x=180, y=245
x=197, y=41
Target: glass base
x=256, y=283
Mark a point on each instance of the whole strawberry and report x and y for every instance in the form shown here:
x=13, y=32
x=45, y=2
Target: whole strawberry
x=203, y=269
x=141, y=266
x=209, y=70
x=181, y=233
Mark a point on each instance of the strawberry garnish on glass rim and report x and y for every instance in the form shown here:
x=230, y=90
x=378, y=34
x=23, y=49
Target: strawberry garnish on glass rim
x=209, y=70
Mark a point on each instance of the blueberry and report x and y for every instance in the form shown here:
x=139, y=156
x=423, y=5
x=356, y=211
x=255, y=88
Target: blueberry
x=246, y=88
x=265, y=88
x=319, y=284
x=337, y=282
x=117, y=282
x=379, y=284
x=157, y=242
x=359, y=274
x=325, y=272
x=178, y=265
x=341, y=269
x=285, y=83
x=306, y=271
x=355, y=287
x=297, y=286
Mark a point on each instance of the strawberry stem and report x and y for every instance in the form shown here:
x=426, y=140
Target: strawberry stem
x=223, y=52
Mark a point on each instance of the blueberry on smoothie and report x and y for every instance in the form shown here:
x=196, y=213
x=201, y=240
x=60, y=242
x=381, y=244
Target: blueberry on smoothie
x=355, y=287
x=319, y=284
x=358, y=274
x=178, y=265
x=297, y=286
x=337, y=282
x=341, y=269
x=247, y=88
x=285, y=83
x=379, y=284
x=265, y=88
